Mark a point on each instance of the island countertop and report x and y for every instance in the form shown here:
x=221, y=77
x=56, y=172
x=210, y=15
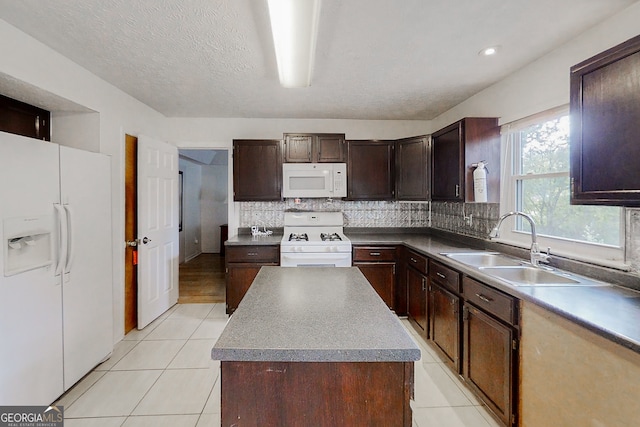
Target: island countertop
x=313, y=314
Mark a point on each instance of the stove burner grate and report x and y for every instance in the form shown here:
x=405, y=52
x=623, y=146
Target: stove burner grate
x=298, y=237
x=330, y=237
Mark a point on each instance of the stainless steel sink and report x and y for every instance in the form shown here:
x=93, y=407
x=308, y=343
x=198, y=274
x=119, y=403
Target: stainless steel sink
x=532, y=276
x=483, y=259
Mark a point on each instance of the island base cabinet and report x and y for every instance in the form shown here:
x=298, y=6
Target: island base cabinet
x=316, y=393
x=489, y=355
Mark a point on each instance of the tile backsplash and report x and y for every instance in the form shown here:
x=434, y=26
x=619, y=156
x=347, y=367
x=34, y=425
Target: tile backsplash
x=356, y=213
x=471, y=219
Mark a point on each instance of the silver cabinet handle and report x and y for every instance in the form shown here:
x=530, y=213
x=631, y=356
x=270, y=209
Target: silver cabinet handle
x=483, y=298
x=374, y=253
x=440, y=275
x=413, y=260
x=457, y=190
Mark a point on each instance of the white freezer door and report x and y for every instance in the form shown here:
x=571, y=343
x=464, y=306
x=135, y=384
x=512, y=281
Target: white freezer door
x=158, y=250
x=30, y=302
x=87, y=290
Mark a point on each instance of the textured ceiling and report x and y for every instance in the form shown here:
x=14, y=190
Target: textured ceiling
x=376, y=59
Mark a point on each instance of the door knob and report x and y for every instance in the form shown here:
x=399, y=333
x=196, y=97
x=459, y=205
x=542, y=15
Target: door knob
x=146, y=240
x=132, y=243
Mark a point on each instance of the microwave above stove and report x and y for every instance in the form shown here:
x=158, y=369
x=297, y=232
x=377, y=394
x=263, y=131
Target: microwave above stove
x=308, y=180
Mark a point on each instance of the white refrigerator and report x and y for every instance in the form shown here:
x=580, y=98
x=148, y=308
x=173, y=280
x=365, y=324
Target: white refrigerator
x=56, y=315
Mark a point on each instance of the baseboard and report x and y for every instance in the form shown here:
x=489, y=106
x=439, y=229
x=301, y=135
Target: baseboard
x=190, y=257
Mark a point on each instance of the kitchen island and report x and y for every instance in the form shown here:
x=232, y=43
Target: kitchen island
x=315, y=346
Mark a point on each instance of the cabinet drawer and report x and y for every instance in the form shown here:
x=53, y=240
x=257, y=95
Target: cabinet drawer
x=374, y=253
x=252, y=254
x=491, y=300
x=444, y=275
x=417, y=261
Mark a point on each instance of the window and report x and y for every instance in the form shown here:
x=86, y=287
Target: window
x=536, y=178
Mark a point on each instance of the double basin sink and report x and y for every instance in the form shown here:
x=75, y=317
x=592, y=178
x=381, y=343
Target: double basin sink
x=517, y=272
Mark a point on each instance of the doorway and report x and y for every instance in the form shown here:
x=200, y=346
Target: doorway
x=204, y=215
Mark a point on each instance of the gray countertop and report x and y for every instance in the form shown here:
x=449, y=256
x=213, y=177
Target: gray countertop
x=610, y=311
x=248, y=239
x=308, y=314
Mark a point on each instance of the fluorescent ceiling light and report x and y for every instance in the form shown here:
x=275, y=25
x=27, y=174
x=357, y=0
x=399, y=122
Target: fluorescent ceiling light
x=294, y=24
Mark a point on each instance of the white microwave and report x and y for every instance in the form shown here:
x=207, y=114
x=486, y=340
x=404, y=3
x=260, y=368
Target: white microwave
x=308, y=180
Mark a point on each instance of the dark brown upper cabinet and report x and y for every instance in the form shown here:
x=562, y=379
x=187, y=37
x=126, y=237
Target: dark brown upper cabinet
x=605, y=131
x=412, y=168
x=370, y=170
x=454, y=149
x=314, y=148
x=23, y=119
x=257, y=170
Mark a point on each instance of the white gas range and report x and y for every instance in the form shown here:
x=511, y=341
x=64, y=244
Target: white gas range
x=314, y=239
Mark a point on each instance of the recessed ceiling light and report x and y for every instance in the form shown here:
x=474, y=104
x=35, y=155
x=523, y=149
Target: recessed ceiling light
x=489, y=51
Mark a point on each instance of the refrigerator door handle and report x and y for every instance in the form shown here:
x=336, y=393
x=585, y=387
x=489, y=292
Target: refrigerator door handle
x=70, y=245
x=62, y=243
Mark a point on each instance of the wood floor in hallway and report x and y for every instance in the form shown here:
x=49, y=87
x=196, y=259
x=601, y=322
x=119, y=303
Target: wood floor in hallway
x=202, y=280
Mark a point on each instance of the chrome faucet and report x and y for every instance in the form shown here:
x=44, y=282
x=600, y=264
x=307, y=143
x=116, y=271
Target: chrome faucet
x=536, y=255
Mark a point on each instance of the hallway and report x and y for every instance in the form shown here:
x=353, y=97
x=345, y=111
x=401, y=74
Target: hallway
x=202, y=280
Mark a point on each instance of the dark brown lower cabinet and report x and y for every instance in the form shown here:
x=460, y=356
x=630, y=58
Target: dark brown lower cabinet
x=322, y=394
x=242, y=265
x=491, y=348
x=417, y=299
x=444, y=323
x=239, y=278
x=378, y=264
x=382, y=276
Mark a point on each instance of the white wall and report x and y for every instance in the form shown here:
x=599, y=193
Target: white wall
x=40, y=70
x=190, y=236
x=214, y=205
x=544, y=83
x=217, y=133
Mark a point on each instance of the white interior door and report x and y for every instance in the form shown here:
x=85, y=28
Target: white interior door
x=158, y=247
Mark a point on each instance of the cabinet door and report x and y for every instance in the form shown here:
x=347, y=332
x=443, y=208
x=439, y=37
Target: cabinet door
x=489, y=359
x=605, y=95
x=458, y=146
x=417, y=298
x=330, y=148
x=298, y=148
x=444, y=319
x=23, y=119
x=447, y=169
x=257, y=170
x=382, y=276
x=370, y=170
x=412, y=177
x=239, y=279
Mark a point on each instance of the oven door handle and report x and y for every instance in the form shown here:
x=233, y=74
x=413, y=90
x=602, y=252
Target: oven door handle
x=307, y=257
x=316, y=259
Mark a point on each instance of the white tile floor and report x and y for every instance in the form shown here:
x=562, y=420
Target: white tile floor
x=164, y=376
